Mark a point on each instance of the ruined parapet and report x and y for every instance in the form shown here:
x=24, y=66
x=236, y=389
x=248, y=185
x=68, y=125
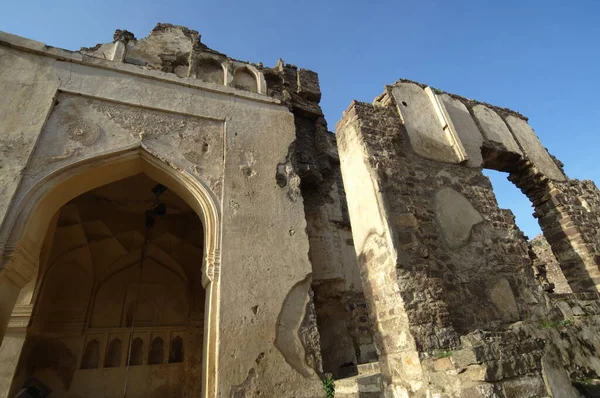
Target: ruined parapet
x=179, y=50
x=445, y=271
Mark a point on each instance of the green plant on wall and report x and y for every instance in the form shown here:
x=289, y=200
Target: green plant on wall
x=329, y=386
x=443, y=354
x=554, y=325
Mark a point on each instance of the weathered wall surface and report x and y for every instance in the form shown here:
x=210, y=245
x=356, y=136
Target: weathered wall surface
x=345, y=331
x=554, y=274
x=232, y=140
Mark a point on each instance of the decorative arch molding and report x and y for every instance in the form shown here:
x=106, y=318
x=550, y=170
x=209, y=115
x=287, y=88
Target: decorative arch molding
x=261, y=83
x=30, y=214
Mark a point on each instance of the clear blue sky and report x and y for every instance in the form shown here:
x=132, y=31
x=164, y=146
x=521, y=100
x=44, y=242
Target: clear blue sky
x=538, y=57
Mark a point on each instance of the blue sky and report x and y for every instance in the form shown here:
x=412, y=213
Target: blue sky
x=538, y=57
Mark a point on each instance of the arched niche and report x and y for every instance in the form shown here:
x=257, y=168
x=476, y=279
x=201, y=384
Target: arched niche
x=245, y=79
x=27, y=222
x=136, y=352
x=211, y=71
x=91, y=356
x=113, y=354
x=177, y=350
x=157, y=352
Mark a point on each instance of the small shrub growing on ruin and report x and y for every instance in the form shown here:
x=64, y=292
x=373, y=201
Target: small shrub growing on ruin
x=329, y=386
x=554, y=325
x=443, y=354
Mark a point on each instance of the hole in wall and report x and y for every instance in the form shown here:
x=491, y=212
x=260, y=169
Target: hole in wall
x=404, y=103
x=511, y=198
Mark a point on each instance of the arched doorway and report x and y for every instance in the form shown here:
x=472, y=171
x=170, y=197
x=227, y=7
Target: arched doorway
x=87, y=331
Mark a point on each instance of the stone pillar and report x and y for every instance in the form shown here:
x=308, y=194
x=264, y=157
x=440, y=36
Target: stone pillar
x=11, y=348
x=15, y=310
x=9, y=291
x=378, y=259
x=19, y=268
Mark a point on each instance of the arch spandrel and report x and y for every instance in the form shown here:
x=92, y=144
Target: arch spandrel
x=28, y=220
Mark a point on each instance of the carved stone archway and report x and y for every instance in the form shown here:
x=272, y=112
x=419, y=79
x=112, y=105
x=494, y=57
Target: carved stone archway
x=26, y=224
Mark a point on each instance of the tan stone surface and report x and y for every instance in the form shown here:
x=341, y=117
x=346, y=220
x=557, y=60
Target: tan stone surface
x=493, y=128
x=533, y=148
x=465, y=128
x=419, y=116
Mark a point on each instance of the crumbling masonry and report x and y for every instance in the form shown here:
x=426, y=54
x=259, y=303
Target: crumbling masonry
x=289, y=255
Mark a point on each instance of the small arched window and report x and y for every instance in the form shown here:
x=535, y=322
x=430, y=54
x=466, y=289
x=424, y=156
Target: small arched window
x=245, y=80
x=113, y=355
x=91, y=355
x=176, y=354
x=137, y=352
x=157, y=352
x=210, y=70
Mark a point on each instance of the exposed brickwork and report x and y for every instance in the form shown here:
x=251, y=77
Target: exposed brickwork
x=546, y=258
x=567, y=213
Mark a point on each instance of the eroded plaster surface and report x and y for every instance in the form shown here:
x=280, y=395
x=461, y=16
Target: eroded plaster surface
x=456, y=217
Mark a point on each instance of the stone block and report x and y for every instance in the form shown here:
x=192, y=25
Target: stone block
x=463, y=358
x=476, y=373
x=494, y=130
x=464, y=127
x=524, y=387
x=556, y=378
x=533, y=148
x=308, y=85
x=426, y=134
x=442, y=364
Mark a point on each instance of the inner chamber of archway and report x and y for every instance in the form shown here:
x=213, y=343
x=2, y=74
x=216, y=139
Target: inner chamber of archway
x=93, y=304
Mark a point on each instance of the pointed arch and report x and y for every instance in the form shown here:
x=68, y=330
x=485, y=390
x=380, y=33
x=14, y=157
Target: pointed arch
x=157, y=352
x=137, y=352
x=26, y=224
x=245, y=79
x=113, y=354
x=91, y=356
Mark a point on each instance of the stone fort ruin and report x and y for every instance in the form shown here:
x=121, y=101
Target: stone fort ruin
x=179, y=223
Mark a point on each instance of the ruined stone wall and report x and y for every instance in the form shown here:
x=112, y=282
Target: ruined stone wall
x=445, y=271
x=546, y=258
x=346, y=337
x=458, y=269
